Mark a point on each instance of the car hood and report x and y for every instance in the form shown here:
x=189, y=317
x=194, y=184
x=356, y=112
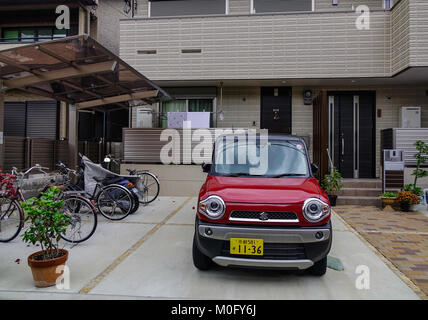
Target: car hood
x=263, y=190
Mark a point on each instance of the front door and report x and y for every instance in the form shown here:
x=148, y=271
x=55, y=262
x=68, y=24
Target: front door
x=352, y=128
x=276, y=109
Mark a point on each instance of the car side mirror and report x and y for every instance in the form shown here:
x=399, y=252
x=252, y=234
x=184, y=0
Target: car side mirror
x=314, y=168
x=206, y=167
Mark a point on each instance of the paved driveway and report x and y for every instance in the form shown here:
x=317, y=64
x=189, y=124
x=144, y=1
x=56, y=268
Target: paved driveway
x=148, y=255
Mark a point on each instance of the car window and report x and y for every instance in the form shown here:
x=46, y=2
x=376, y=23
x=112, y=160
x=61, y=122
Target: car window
x=269, y=159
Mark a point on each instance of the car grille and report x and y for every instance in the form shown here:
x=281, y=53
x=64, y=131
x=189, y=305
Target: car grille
x=268, y=215
x=272, y=251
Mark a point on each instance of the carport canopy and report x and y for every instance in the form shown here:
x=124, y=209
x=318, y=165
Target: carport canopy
x=79, y=71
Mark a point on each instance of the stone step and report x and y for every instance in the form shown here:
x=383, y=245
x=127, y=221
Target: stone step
x=360, y=192
x=358, y=200
x=362, y=183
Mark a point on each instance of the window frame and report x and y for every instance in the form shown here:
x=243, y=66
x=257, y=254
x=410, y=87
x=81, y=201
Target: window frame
x=149, y=11
x=253, y=8
x=36, y=37
x=391, y=4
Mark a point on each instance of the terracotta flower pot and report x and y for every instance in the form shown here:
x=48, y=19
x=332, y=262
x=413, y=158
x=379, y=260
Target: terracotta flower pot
x=45, y=271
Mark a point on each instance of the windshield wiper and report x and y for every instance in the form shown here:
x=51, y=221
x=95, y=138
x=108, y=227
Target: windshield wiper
x=289, y=175
x=240, y=174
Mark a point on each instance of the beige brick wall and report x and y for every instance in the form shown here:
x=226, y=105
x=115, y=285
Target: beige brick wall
x=418, y=32
x=241, y=106
x=400, y=36
x=258, y=46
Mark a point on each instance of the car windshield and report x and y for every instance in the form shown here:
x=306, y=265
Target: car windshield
x=273, y=158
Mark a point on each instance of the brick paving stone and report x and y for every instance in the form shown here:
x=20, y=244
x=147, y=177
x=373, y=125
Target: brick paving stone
x=402, y=237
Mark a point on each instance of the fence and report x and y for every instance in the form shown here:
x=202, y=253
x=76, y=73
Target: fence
x=23, y=152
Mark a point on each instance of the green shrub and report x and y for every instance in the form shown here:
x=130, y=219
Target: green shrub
x=46, y=222
x=388, y=195
x=332, y=181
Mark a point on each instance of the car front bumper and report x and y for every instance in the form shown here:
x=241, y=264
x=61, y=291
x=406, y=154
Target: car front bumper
x=284, y=247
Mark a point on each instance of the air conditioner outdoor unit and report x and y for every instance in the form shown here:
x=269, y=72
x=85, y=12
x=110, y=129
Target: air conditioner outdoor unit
x=410, y=117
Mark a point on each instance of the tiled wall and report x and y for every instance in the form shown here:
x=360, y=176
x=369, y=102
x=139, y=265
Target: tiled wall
x=241, y=106
x=258, y=47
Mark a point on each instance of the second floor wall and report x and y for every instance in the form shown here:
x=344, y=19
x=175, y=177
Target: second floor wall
x=316, y=44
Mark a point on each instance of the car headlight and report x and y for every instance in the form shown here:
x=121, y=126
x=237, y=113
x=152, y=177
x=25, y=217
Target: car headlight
x=213, y=207
x=315, y=210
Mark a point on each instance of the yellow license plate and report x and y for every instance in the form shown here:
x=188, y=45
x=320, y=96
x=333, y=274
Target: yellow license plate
x=252, y=247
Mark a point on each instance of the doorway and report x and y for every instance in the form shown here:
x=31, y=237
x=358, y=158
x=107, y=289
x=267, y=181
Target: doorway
x=352, y=133
x=275, y=103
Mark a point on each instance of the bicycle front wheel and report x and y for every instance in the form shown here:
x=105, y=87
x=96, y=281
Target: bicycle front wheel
x=115, y=202
x=83, y=219
x=11, y=219
x=149, y=189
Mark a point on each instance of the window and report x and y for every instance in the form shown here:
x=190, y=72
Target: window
x=265, y=6
x=165, y=8
x=387, y=4
x=186, y=105
x=36, y=34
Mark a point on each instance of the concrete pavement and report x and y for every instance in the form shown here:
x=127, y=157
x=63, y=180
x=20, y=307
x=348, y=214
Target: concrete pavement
x=148, y=256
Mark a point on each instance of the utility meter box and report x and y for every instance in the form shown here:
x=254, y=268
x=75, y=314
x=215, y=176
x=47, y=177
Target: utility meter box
x=144, y=117
x=410, y=117
x=393, y=170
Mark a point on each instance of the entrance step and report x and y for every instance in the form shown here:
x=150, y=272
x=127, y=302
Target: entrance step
x=362, y=183
x=364, y=192
x=360, y=192
x=358, y=200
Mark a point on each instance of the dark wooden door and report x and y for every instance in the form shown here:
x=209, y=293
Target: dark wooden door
x=320, y=133
x=345, y=128
x=352, y=133
x=367, y=135
x=276, y=109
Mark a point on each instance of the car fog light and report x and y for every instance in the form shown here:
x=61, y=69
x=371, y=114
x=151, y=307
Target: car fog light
x=319, y=235
x=208, y=231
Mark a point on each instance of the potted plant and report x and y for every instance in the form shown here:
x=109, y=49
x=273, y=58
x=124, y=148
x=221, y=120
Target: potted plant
x=406, y=199
x=46, y=222
x=331, y=184
x=388, y=199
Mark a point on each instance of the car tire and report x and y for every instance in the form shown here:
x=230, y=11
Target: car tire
x=319, y=268
x=201, y=261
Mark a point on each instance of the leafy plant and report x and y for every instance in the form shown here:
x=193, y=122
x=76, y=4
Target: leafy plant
x=407, y=197
x=421, y=158
x=46, y=222
x=332, y=181
x=416, y=190
x=388, y=195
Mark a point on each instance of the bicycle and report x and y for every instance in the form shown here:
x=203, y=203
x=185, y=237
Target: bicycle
x=113, y=201
x=149, y=189
x=11, y=213
x=83, y=218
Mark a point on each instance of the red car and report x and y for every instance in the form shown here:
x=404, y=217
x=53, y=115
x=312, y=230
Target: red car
x=266, y=214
